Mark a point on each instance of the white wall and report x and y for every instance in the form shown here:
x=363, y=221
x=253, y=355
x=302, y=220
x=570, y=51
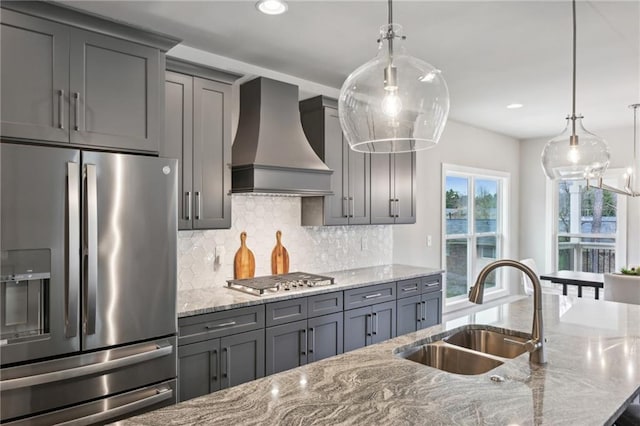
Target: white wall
x=533, y=190
x=461, y=145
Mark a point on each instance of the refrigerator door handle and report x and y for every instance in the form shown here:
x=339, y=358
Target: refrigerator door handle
x=162, y=394
x=85, y=370
x=72, y=282
x=90, y=267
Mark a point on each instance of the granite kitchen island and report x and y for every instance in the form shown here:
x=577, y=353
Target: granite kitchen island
x=593, y=372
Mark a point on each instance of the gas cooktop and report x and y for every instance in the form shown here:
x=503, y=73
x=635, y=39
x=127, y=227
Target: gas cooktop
x=269, y=284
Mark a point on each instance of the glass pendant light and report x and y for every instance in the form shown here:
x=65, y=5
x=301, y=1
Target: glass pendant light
x=394, y=102
x=575, y=153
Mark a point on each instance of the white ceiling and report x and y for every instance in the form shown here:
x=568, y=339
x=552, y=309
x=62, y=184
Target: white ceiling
x=491, y=53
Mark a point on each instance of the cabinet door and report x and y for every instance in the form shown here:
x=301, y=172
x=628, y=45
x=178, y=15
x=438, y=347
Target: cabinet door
x=359, y=187
x=115, y=92
x=178, y=139
x=198, y=369
x=211, y=154
x=357, y=328
x=409, y=311
x=325, y=336
x=336, y=206
x=382, y=197
x=286, y=346
x=34, y=56
x=242, y=358
x=404, y=187
x=383, y=322
x=432, y=309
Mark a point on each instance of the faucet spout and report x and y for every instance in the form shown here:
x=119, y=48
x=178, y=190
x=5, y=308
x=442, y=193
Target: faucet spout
x=536, y=346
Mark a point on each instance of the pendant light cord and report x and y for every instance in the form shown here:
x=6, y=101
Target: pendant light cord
x=390, y=32
x=573, y=107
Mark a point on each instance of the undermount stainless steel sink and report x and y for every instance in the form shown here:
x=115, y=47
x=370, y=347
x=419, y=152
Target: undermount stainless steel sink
x=451, y=359
x=489, y=342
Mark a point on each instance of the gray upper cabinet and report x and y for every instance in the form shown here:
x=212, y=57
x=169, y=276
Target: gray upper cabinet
x=115, y=93
x=393, y=188
x=198, y=133
x=349, y=203
x=75, y=78
x=35, y=78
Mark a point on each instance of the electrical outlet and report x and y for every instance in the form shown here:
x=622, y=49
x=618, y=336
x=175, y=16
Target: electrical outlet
x=429, y=241
x=364, y=245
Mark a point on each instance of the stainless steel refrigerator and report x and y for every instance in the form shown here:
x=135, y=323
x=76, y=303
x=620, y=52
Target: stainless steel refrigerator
x=87, y=284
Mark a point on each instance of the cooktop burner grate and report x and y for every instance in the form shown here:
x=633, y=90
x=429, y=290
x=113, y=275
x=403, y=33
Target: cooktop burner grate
x=274, y=283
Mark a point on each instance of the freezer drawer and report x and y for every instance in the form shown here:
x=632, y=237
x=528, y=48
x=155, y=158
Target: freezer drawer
x=39, y=387
x=110, y=409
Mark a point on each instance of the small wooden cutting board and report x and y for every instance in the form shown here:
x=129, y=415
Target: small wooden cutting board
x=279, y=257
x=244, y=264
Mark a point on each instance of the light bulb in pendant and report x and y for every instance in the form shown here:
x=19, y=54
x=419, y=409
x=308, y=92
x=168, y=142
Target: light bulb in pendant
x=573, y=155
x=391, y=104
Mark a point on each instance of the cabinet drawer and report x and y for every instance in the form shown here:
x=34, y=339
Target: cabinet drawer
x=431, y=283
x=208, y=326
x=286, y=311
x=406, y=288
x=324, y=304
x=366, y=296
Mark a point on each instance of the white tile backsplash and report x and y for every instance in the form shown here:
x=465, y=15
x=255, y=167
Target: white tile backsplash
x=311, y=249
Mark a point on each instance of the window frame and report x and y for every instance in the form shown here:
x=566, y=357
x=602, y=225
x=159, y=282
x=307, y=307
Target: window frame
x=615, y=177
x=501, y=234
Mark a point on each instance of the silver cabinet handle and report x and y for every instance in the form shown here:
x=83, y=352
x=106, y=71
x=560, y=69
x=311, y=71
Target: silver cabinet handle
x=187, y=206
x=368, y=325
x=374, y=321
x=90, y=269
x=373, y=296
x=72, y=282
x=214, y=364
x=76, y=96
x=397, y=214
x=424, y=311
x=225, y=324
x=61, y=109
x=198, y=205
x=352, y=207
x=410, y=288
x=313, y=340
x=161, y=394
x=391, y=208
x=99, y=367
x=419, y=312
x=303, y=342
x=345, y=207
x=433, y=284
x=225, y=366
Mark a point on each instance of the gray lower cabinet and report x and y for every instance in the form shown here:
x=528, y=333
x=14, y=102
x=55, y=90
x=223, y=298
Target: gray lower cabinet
x=369, y=325
x=393, y=188
x=216, y=364
x=301, y=342
x=350, y=181
x=64, y=84
x=294, y=341
x=198, y=133
x=419, y=303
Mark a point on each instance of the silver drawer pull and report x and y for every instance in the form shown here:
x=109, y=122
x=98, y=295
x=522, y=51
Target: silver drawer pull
x=224, y=324
x=410, y=288
x=433, y=284
x=371, y=296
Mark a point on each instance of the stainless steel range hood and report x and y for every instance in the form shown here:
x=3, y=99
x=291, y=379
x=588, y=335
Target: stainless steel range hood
x=271, y=153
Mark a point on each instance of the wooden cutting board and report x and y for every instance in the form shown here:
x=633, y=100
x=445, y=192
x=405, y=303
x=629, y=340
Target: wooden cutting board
x=244, y=264
x=279, y=257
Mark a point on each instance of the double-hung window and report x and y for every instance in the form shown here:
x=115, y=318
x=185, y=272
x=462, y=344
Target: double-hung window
x=474, y=224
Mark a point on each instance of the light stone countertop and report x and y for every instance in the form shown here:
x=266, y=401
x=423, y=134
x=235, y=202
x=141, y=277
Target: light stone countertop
x=221, y=297
x=593, y=370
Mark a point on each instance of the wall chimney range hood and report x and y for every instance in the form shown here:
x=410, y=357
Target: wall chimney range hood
x=271, y=154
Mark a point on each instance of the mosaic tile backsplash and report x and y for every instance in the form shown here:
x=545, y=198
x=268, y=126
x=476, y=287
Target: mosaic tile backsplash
x=314, y=249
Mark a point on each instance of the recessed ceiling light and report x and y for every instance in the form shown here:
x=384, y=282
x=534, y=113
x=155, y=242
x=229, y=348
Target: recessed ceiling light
x=272, y=7
x=514, y=106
